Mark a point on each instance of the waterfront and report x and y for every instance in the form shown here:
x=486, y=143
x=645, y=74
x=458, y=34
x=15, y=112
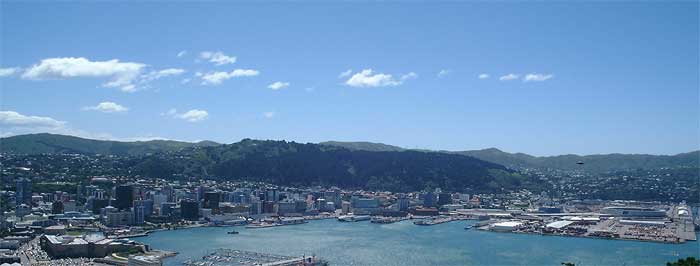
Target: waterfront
x=403, y=243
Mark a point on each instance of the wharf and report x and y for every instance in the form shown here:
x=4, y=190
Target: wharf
x=435, y=221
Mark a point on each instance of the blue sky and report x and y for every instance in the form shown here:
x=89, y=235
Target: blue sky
x=538, y=77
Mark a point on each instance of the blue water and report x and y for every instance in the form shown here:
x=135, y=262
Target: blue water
x=364, y=243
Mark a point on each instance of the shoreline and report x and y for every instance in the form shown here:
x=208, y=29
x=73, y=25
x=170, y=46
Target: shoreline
x=147, y=233
x=591, y=237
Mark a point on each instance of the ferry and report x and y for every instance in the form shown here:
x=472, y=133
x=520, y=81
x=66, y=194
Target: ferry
x=353, y=218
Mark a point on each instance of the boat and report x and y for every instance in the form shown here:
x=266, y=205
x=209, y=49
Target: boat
x=468, y=227
x=353, y=218
x=233, y=232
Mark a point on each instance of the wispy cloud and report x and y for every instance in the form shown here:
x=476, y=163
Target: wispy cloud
x=410, y=75
x=537, y=77
x=9, y=71
x=182, y=53
x=154, y=75
x=269, y=114
x=107, y=107
x=443, y=73
x=121, y=74
x=278, y=85
x=15, y=119
x=218, y=58
x=345, y=73
x=216, y=78
x=194, y=115
x=510, y=76
x=484, y=76
x=13, y=123
x=367, y=78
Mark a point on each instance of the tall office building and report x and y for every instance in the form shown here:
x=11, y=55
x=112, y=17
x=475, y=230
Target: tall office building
x=211, y=200
x=147, y=206
x=333, y=196
x=429, y=199
x=189, y=210
x=403, y=203
x=96, y=204
x=167, y=208
x=139, y=214
x=444, y=198
x=23, y=193
x=272, y=194
x=124, y=197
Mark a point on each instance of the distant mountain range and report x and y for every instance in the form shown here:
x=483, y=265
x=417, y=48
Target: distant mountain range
x=291, y=163
x=278, y=162
x=591, y=163
x=52, y=143
x=62, y=144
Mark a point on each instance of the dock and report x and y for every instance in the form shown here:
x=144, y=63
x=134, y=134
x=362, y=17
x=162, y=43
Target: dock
x=435, y=221
x=233, y=257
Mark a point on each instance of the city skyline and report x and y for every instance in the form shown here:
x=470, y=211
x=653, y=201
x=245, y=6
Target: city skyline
x=449, y=76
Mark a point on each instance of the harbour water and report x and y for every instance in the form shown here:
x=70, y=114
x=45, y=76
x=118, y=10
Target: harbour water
x=403, y=243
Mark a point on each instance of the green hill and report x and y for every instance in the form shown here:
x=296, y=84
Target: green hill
x=364, y=146
x=290, y=163
x=592, y=163
x=53, y=144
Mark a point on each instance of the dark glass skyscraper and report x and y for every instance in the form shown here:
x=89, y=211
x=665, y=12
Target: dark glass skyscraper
x=23, y=194
x=124, y=197
x=189, y=210
x=211, y=200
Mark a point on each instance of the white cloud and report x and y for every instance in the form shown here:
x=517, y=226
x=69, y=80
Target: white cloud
x=216, y=78
x=218, y=58
x=15, y=119
x=410, y=75
x=367, y=78
x=107, y=107
x=181, y=53
x=9, y=71
x=13, y=123
x=309, y=89
x=537, y=77
x=270, y=114
x=194, y=115
x=510, y=76
x=153, y=75
x=278, y=85
x=443, y=73
x=185, y=80
x=345, y=73
x=121, y=74
x=484, y=76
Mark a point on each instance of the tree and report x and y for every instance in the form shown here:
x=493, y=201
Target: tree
x=689, y=261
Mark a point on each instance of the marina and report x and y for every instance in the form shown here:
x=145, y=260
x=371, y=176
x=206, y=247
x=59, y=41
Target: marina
x=232, y=257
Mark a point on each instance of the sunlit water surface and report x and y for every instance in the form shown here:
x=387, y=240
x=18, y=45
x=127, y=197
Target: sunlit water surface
x=403, y=243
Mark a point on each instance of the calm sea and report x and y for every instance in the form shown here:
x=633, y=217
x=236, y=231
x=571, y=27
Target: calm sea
x=403, y=243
